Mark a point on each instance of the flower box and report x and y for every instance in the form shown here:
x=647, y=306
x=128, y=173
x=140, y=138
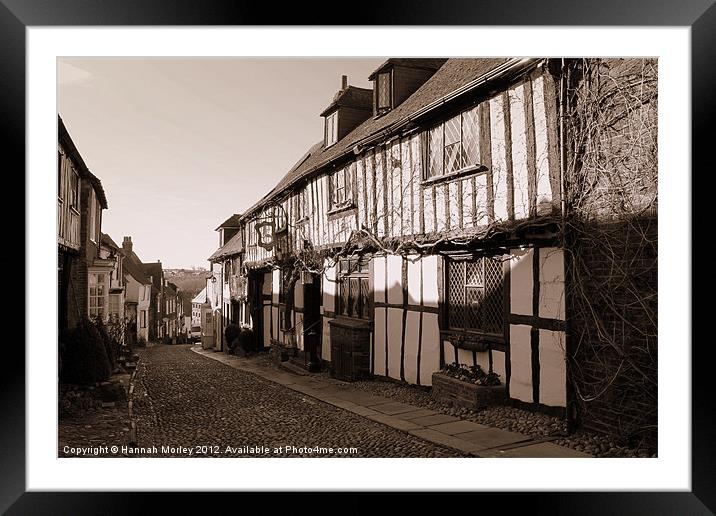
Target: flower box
x=452, y=391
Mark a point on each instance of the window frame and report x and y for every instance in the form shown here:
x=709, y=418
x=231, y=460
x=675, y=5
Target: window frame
x=381, y=110
x=358, y=305
x=332, y=123
x=97, y=311
x=348, y=191
x=484, y=330
x=465, y=167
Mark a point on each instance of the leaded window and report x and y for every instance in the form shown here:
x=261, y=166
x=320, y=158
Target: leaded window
x=354, y=288
x=332, y=128
x=340, y=187
x=384, y=93
x=475, y=295
x=454, y=144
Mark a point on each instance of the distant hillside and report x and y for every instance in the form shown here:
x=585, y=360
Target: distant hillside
x=189, y=281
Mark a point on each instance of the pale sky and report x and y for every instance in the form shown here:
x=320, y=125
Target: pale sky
x=180, y=144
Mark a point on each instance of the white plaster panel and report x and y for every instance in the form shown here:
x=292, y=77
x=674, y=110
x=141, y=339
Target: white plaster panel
x=430, y=280
x=481, y=199
x=552, y=369
x=266, y=288
x=544, y=188
x=379, y=339
x=274, y=320
x=520, y=362
x=429, y=349
x=521, y=281
x=414, y=279
x=466, y=203
x=379, y=279
x=267, y=326
x=450, y=352
x=519, y=152
x=410, y=357
x=429, y=212
x=498, y=365
x=380, y=191
x=275, y=284
x=483, y=360
x=415, y=178
x=453, y=201
x=298, y=322
x=329, y=288
x=395, y=341
x=440, y=216
x=395, y=279
x=326, y=339
x=551, y=287
x=499, y=157
x=464, y=357
x=298, y=294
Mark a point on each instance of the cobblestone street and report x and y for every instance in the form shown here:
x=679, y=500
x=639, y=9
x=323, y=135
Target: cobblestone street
x=182, y=399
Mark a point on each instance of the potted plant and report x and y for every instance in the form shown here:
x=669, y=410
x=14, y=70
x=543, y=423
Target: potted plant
x=467, y=386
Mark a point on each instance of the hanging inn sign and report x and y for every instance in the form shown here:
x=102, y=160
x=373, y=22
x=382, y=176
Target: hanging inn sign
x=267, y=228
x=266, y=234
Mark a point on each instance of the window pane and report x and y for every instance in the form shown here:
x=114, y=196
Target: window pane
x=453, y=161
x=384, y=91
x=456, y=273
x=470, y=138
x=435, y=151
x=452, y=130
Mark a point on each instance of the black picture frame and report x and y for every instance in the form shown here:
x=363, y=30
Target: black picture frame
x=699, y=15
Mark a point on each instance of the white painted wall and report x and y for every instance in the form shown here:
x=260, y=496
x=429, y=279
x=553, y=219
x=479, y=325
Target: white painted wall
x=430, y=280
x=521, y=281
x=551, y=283
x=328, y=283
x=395, y=279
x=429, y=349
x=410, y=358
x=521, y=363
x=395, y=334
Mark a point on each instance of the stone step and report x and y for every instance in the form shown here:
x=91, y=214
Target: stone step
x=293, y=368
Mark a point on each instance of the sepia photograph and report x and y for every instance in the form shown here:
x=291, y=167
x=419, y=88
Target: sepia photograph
x=357, y=257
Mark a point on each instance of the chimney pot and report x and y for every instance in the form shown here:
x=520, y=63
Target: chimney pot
x=344, y=82
x=127, y=244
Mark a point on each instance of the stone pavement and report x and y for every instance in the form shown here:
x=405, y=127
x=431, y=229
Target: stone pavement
x=187, y=405
x=472, y=439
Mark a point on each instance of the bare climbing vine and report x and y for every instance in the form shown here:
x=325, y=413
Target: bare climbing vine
x=610, y=189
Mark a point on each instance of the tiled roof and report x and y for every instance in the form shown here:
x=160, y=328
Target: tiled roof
x=154, y=269
x=64, y=137
x=230, y=248
x=200, y=297
x=353, y=97
x=452, y=75
x=429, y=63
x=231, y=222
x=133, y=265
x=107, y=240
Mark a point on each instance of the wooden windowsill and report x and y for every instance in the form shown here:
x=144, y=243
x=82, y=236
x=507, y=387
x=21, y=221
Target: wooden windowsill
x=341, y=209
x=471, y=170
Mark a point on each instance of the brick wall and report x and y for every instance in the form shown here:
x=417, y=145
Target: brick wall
x=613, y=331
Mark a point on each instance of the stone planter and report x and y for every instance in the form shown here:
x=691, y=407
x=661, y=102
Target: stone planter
x=452, y=391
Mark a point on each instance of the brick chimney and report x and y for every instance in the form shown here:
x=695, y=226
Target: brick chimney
x=344, y=82
x=127, y=244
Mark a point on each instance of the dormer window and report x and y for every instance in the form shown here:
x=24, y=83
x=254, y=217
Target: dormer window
x=384, y=94
x=331, y=128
